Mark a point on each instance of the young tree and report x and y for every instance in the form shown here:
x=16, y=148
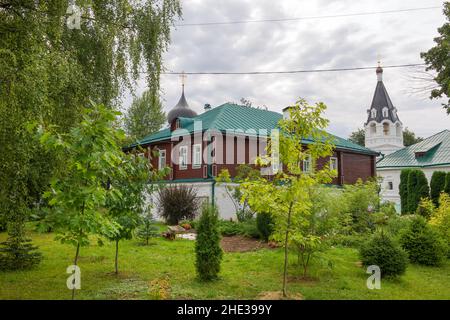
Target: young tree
x=437, y=185
x=79, y=196
x=403, y=190
x=417, y=189
x=147, y=228
x=133, y=186
x=144, y=116
x=207, y=246
x=286, y=195
x=436, y=59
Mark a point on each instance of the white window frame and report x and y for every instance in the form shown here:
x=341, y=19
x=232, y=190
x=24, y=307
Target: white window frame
x=196, y=155
x=183, y=155
x=334, y=163
x=385, y=112
x=306, y=165
x=162, y=155
x=374, y=113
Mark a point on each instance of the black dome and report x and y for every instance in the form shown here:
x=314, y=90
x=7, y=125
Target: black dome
x=181, y=110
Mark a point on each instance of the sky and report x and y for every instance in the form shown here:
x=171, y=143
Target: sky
x=355, y=41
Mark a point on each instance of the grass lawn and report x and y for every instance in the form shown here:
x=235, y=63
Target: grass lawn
x=165, y=269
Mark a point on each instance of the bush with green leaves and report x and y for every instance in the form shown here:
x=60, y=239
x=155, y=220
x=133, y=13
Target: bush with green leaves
x=417, y=189
x=423, y=244
x=358, y=201
x=437, y=185
x=396, y=224
x=425, y=208
x=265, y=224
x=440, y=219
x=208, y=253
x=178, y=202
x=247, y=228
x=384, y=252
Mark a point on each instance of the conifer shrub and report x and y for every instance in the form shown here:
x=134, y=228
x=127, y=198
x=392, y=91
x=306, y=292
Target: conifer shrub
x=384, y=252
x=447, y=183
x=208, y=252
x=437, y=185
x=17, y=252
x=177, y=203
x=265, y=224
x=423, y=244
x=147, y=228
x=403, y=190
x=417, y=189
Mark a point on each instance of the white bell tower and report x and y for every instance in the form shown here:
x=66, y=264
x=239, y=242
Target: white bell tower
x=383, y=129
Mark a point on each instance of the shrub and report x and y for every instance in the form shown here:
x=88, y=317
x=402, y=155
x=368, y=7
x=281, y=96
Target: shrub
x=437, y=185
x=147, y=229
x=229, y=228
x=447, y=183
x=382, y=251
x=440, y=219
x=356, y=201
x=249, y=229
x=177, y=202
x=265, y=225
x=417, y=189
x=403, y=190
x=425, y=208
x=423, y=244
x=396, y=224
x=207, y=247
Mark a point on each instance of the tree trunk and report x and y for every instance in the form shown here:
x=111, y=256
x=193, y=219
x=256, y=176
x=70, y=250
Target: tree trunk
x=75, y=263
x=286, y=240
x=116, y=263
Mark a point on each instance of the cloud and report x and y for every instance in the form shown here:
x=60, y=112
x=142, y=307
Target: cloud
x=309, y=44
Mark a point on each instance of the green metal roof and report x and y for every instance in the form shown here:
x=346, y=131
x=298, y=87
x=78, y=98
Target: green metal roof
x=433, y=151
x=236, y=117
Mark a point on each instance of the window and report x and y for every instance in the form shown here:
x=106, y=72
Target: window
x=374, y=113
x=386, y=129
x=385, y=112
x=183, y=157
x=197, y=155
x=177, y=124
x=162, y=159
x=373, y=128
x=307, y=164
x=390, y=185
x=333, y=163
x=213, y=152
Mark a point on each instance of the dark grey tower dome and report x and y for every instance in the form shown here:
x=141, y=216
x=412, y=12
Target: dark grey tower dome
x=182, y=109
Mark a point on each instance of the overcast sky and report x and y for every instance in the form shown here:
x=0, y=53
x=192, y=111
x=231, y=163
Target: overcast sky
x=308, y=44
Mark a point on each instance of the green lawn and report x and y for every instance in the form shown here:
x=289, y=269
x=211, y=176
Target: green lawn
x=171, y=265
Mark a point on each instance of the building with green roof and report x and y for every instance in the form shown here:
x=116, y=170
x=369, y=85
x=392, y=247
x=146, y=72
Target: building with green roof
x=431, y=154
x=197, y=147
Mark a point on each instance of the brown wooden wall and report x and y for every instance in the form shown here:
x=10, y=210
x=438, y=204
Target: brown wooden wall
x=351, y=166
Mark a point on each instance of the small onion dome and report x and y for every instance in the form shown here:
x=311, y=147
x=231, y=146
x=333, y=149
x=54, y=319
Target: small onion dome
x=182, y=109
